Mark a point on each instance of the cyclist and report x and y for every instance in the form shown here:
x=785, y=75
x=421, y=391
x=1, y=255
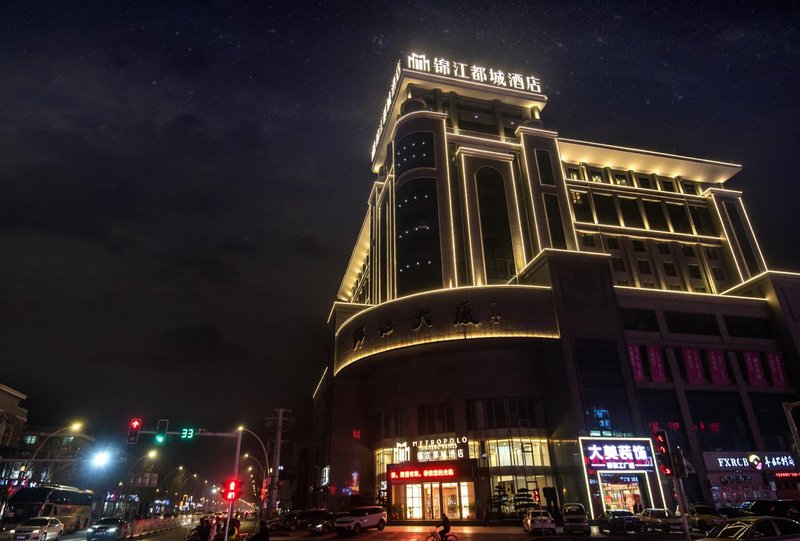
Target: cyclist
x=445, y=524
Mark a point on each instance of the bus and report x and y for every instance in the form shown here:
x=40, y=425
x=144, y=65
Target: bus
x=70, y=505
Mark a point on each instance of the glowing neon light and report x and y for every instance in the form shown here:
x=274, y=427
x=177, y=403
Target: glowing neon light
x=422, y=473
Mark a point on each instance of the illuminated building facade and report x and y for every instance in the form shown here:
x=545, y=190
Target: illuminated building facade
x=511, y=291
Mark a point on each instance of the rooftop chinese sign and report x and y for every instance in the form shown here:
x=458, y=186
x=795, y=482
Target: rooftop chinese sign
x=623, y=454
x=454, y=69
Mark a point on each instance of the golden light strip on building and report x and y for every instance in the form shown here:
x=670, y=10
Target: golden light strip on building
x=756, y=277
x=319, y=383
x=468, y=225
x=727, y=238
x=568, y=199
x=671, y=196
x=527, y=170
x=686, y=236
x=676, y=292
x=454, y=265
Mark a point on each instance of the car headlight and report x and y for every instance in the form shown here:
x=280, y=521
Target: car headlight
x=90, y=529
x=35, y=531
x=11, y=531
x=112, y=529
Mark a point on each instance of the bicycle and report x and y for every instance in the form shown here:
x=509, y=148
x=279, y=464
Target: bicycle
x=434, y=536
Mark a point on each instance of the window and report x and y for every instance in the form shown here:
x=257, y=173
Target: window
x=655, y=215
x=712, y=253
x=510, y=413
x=667, y=185
x=414, y=150
x=613, y=243
x=644, y=182
x=644, y=266
x=580, y=206
x=435, y=419
x=600, y=376
x=495, y=229
x=638, y=319
x=419, y=265
x=546, y=175
x=748, y=327
x=675, y=287
x=623, y=283
x=719, y=274
x=742, y=238
x=618, y=264
x=587, y=239
x=29, y=439
x=631, y=213
x=688, y=250
x=689, y=188
x=393, y=424
x=691, y=323
x=554, y=224
x=595, y=175
x=703, y=223
x=620, y=180
x=680, y=220
x=573, y=173
x=606, y=212
x=669, y=269
x=663, y=248
x=648, y=285
x=638, y=245
x=694, y=272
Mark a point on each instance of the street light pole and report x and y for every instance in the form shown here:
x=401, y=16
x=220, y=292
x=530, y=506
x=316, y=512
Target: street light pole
x=264, y=471
x=235, y=476
x=74, y=427
x=126, y=485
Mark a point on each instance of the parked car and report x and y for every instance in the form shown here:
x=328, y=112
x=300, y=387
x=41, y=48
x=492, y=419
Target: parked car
x=538, y=521
x=776, y=508
x=361, y=518
x=300, y=519
x=326, y=524
x=734, y=512
x=618, y=521
x=107, y=528
x=38, y=529
x=756, y=528
x=703, y=517
x=575, y=518
x=660, y=520
x=276, y=523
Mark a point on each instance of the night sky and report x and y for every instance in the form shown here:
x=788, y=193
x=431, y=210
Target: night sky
x=182, y=183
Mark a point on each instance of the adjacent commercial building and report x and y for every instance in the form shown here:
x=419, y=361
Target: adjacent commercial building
x=521, y=310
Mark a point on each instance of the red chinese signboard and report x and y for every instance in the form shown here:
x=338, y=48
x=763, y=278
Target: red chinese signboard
x=694, y=366
x=657, y=371
x=755, y=370
x=445, y=471
x=777, y=370
x=635, y=355
x=718, y=367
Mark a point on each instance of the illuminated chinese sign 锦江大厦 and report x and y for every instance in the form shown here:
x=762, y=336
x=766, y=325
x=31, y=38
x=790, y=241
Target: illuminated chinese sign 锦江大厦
x=754, y=461
x=456, y=70
x=617, y=453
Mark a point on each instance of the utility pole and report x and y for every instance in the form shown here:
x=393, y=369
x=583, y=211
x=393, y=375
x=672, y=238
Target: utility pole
x=787, y=408
x=276, y=459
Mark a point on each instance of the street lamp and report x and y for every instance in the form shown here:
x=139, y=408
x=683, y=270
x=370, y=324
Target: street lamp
x=264, y=468
x=101, y=459
x=151, y=454
x=74, y=427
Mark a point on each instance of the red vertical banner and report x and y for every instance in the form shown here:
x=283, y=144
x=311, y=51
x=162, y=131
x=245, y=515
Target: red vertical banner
x=755, y=370
x=777, y=370
x=694, y=366
x=657, y=372
x=718, y=367
x=635, y=355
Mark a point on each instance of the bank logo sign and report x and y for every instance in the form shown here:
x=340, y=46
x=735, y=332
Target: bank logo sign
x=760, y=461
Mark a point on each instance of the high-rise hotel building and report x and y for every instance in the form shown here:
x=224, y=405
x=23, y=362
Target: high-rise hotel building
x=521, y=311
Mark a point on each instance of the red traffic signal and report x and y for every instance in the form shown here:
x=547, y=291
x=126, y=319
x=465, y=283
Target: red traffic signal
x=663, y=453
x=232, y=489
x=133, y=430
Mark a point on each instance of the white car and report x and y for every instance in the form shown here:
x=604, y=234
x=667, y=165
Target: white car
x=537, y=521
x=38, y=529
x=361, y=518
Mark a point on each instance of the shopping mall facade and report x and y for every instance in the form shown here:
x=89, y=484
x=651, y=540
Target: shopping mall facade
x=521, y=311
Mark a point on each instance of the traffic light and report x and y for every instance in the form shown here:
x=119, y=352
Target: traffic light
x=161, y=432
x=133, y=430
x=663, y=453
x=232, y=490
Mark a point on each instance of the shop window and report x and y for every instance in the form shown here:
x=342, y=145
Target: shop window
x=669, y=269
x=606, y=211
x=435, y=419
x=691, y=323
x=644, y=182
x=655, y=215
x=644, y=266
x=580, y=206
x=618, y=264
x=495, y=229
x=546, y=175
x=554, y=224
x=631, y=213
x=613, y=242
x=414, y=150
x=680, y=220
x=638, y=245
x=639, y=319
x=694, y=272
x=517, y=452
x=748, y=327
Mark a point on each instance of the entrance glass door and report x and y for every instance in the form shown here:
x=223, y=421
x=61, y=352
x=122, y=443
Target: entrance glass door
x=432, y=495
